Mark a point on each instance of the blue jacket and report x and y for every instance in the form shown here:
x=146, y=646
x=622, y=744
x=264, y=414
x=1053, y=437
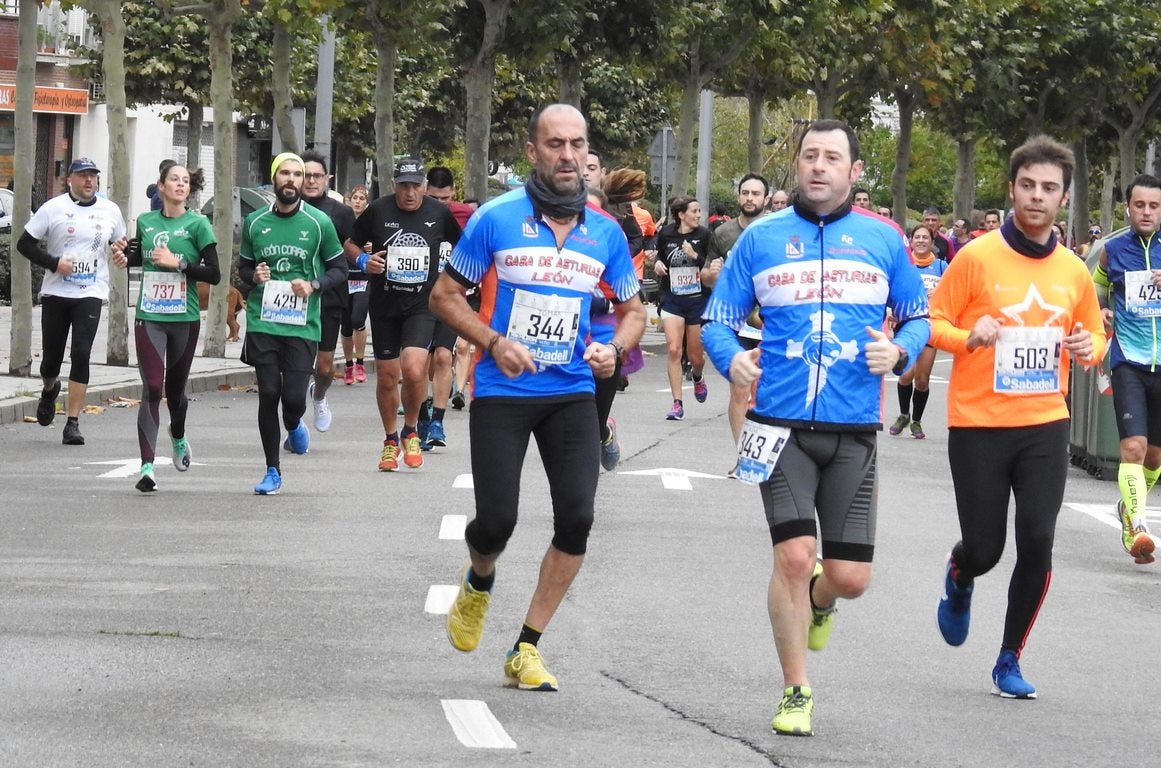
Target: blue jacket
x=1135, y=338
x=819, y=283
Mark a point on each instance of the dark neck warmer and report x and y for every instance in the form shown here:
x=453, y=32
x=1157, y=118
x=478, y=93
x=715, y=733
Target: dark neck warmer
x=552, y=205
x=1022, y=245
x=811, y=216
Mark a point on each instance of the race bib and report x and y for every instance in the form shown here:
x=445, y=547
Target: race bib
x=547, y=325
x=759, y=447
x=445, y=252
x=1028, y=360
x=84, y=269
x=408, y=264
x=281, y=305
x=356, y=286
x=684, y=281
x=930, y=282
x=1142, y=298
x=163, y=293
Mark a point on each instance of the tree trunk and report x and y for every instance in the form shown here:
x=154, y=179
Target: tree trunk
x=280, y=51
x=686, y=127
x=479, y=77
x=193, y=145
x=965, y=178
x=1127, y=141
x=905, y=99
x=387, y=53
x=113, y=62
x=826, y=94
x=568, y=72
x=1080, y=204
x=221, y=27
x=756, y=104
x=1108, y=190
x=20, y=334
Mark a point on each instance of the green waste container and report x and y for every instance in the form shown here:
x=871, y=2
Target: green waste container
x=1080, y=387
x=1103, y=442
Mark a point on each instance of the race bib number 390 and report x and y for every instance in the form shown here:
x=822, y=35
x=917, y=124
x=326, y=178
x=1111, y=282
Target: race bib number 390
x=547, y=325
x=408, y=264
x=759, y=447
x=281, y=305
x=1028, y=360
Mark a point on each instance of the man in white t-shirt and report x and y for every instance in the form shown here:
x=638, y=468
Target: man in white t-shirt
x=70, y=236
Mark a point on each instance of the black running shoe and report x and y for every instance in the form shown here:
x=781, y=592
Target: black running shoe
x=72, y=434
x=46, y=407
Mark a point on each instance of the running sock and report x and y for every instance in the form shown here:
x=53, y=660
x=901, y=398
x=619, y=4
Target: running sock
x=437, y=414
x=393, y=437
x=815, y=606
x=679, y=403
x=351, y=363
x=73, y=420
x=1131, y=480
x=1151, y=476
x=919, y=403
x=358, y=361
x=905, y=391
x=527, y=635
x=481, y=583
x=408, y=431
x=696, y=377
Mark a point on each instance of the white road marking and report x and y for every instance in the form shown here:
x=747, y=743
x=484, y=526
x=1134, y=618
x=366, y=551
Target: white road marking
x=130, y=467
x=1105, y=513
x=463, y=481
x=440, y=598
x=674, y=479
x=475, y=725
x=452, y=526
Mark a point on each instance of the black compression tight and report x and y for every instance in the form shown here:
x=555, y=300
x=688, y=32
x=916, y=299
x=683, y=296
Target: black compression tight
x=606, y=391
x=165, y=353
x=276, y=386
x=988, y=465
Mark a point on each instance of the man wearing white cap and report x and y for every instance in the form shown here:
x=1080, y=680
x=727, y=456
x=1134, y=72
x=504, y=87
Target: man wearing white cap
x=77, y=230
x=290, y=253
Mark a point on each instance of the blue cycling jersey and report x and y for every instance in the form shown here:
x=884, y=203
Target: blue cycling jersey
x=1135, y=338
x=538, y=294
x=820, y=283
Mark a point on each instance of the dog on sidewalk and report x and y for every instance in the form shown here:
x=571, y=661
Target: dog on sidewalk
x=234, y=305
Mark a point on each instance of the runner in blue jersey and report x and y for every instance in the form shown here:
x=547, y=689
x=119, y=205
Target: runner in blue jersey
x=539, y=258
x=823, y=279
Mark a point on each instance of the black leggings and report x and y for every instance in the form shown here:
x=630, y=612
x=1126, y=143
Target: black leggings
x=606, y=391
x=275, y=386
x=165, y=353
x=988, y=465
x=567, y=438
x=57, y=316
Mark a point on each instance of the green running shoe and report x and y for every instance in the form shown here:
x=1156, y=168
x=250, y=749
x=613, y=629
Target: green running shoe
x=795, y=712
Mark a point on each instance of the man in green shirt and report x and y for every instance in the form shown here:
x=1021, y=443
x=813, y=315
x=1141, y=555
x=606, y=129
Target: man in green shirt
x=290, y=253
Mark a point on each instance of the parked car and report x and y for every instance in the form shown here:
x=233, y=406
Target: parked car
x=6, y=200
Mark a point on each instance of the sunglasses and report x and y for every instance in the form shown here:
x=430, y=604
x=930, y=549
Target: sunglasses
x=1094, y=231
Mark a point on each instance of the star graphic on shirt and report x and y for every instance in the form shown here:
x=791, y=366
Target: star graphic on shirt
x=1033, y=311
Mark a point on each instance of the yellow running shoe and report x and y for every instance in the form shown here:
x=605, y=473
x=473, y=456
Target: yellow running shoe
x=795, y=712
x=389, y=459
x=413, y=451
x=1135, y=538
x=465, y=620
x=524, y=669
x=821, y=622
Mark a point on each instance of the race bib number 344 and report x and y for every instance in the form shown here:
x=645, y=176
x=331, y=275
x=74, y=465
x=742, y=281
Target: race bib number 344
x=547, y=325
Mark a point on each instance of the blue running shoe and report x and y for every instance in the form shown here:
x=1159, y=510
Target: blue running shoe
x=955, y=607
x=271, y=483
x=435, y=435
x=611, y=448
x=1007, y=681
x=423, y=425
x=298, y=439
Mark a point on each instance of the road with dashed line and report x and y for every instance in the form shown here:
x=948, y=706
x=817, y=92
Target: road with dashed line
x=201, y=625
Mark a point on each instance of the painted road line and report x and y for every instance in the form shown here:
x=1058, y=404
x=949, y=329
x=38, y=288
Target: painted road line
x=674, y=479
x=463, y=481
x=1106, y=513
x=475, y=725
x=452, y=527
x=440, y=598
x=129, y=467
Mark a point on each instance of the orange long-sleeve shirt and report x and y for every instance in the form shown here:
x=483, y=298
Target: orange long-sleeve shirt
x=988, y=277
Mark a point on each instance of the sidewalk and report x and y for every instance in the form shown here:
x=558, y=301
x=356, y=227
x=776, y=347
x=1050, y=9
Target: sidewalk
x=18, y=395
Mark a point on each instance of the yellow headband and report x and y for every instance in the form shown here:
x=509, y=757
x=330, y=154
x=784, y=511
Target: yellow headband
x=282, y=158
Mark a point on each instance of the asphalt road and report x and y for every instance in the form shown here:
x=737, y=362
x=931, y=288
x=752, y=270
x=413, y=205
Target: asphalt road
x=204, y=626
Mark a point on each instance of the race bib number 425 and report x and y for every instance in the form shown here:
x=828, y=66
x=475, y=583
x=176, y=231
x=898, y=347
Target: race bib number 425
x=1142, y=297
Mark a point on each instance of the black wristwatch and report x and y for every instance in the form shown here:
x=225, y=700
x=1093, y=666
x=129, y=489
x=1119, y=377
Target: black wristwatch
x=618, y=349
x=901, y=363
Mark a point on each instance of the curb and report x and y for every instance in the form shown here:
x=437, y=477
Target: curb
x=14, y=411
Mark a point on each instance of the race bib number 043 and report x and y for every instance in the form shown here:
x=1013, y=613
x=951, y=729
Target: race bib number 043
x=759, y=447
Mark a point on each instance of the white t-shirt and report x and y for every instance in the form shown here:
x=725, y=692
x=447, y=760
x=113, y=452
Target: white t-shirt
x=82, y=233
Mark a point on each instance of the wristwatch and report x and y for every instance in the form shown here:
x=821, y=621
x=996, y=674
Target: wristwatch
x=901, y=363
x=618, y=349
x=181, y=265
x=315, y=285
